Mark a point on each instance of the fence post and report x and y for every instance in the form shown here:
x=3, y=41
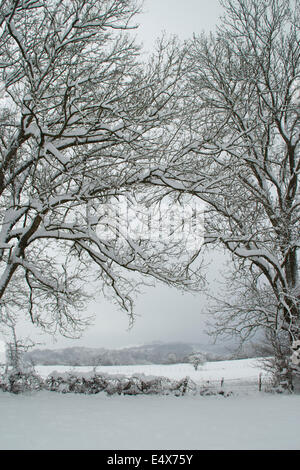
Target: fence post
x=259, y=381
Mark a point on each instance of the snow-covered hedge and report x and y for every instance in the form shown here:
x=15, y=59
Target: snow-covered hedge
x=92, y=383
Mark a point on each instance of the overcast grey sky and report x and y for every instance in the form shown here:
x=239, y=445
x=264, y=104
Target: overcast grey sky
x=180, y=17
x=163, y=314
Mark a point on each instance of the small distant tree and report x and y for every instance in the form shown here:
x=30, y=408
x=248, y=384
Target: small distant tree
x=172, y=358
x=97, y=361
x=196, y=359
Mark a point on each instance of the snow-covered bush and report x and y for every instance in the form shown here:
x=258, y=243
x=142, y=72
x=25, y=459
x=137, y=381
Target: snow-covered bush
x=18, y=382
x=275, y=352
x=296, y=353
x=69, y=382
x=295, y=364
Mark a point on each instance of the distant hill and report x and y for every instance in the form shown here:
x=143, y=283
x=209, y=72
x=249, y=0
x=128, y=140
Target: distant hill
x=154, y=353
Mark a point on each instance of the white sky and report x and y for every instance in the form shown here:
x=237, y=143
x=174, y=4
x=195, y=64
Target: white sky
x=164, y=314
x=180, y=17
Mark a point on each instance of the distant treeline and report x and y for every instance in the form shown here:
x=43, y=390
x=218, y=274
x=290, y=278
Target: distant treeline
x=154, y=353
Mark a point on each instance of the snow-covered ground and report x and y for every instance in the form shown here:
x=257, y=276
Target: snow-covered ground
x=245, y=420
x=48, y=420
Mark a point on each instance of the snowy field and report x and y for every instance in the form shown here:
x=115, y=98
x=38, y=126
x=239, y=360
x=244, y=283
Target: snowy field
x=235, y=373
x=246, y=420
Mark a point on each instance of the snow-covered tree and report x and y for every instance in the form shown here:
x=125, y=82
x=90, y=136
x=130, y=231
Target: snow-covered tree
x=2, y=353
x=196, y=359
x=15, y=350
x=81, y=123
x=240, y=155
x=16, y=345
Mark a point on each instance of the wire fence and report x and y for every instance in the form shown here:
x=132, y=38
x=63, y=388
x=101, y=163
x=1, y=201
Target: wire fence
x=261, y=382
